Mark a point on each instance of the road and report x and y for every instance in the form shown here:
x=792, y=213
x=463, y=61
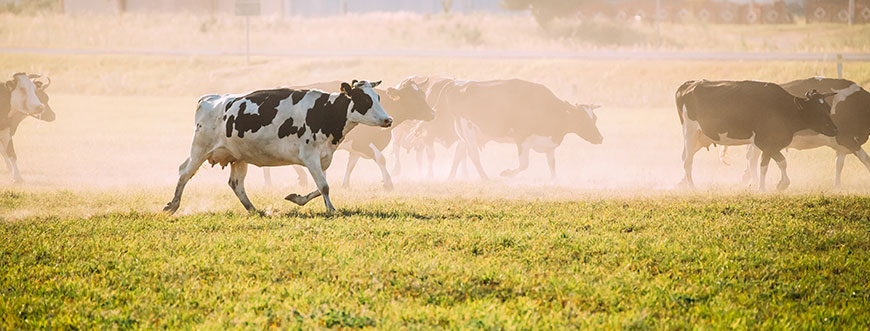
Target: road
x=605, y=55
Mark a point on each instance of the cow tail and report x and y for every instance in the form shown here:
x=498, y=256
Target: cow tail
x=678, y=98
x=723, y=152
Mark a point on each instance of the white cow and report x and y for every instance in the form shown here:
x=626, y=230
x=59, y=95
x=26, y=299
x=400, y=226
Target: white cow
x=278, y=127
x=23, y=96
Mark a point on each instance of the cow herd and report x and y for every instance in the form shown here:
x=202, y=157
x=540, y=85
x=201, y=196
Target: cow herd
x=305, y=125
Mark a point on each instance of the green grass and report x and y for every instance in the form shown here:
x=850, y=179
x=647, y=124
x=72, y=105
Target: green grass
x=393, y=261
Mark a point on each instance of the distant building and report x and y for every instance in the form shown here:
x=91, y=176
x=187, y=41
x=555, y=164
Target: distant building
x=281, y=7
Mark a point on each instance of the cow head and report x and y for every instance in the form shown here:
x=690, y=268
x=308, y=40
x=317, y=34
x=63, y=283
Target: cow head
x=411, y=100
x=25, y=92
x=816, y=113
x=583, y=118
x=367, y=107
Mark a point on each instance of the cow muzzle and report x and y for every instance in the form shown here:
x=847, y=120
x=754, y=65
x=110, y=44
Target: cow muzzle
x=387, y=122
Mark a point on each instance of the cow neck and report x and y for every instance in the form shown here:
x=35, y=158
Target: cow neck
x=389, y=103
x=800, y=122
x=349, y=125
x=8, y=120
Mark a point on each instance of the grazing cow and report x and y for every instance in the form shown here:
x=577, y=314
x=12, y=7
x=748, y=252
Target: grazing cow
x=278, y=127
x=515, y=111
x=850, y=111
x=405, y=103
x=747, y=112
x=24, y=96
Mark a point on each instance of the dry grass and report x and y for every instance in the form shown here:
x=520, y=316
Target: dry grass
x=405, y=31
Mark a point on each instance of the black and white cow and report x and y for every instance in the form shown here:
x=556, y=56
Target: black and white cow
x=278, y=127
x=23, y=96
x=404, y=103
x=514, y=111
x=850, y=111
x=747, y=112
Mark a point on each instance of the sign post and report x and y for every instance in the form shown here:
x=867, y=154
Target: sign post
x=247, y=8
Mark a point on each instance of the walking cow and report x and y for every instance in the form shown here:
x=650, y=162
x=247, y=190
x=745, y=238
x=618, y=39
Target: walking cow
x=850, y=111
x=747, y=112
x=275, y=128
x=23, y=96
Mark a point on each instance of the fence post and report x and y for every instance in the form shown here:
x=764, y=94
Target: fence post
x=840, y=66
x=851, y=12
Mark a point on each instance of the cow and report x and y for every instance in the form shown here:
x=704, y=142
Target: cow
x=278, y=127
x=514, y=111
x=404, y=103
x=747, y=112
x=850, y=111
x=24, y=96
x=422, y=136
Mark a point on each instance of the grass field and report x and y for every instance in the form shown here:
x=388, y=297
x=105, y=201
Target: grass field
x=609, y=244
x=387, y=261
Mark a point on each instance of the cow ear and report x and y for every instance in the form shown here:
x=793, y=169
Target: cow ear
x=354, y=82
x=393, y=93
x=799, y=102
x=345, y=88
x=10, y=85
x=375, y=84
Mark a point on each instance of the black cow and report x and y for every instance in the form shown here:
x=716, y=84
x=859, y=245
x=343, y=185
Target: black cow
x=747, y=112
x=24, y=96
x=850, y=111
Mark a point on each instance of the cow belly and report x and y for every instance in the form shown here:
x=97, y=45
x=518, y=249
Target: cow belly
x=259, y=152
x=723, y=139
x=540, y=143
x=801, y=141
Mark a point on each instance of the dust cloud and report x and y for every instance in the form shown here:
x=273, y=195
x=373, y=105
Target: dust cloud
x=125, y=118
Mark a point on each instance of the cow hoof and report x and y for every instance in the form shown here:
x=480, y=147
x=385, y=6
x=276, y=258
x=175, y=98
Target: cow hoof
x=295, y=198
x=388, y=186
x=508, y=173
x=782, y=186
x=686, y=185
x=18, y=180
x=170, y=208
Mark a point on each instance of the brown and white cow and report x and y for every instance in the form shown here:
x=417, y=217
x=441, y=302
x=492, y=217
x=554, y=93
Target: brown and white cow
x=850, y=111
x=404, y=103
x=421, y=136
x=514, y=111
x=24, y=96
x=278, y=127
x=747, y=112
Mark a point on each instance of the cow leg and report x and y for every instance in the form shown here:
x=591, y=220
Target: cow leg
x=523, y=153
x=382, y=163
x=314, y=167
x=351, y=163
x=551, y=160
x=751, y=173
x=8, y=152
x=302, y=177
x=457, y=157
x=474, y=153
x=186, y=171
x=267, y=176
x=397, y=151
x=783, y=181
x=690, y=147
x=838, y=168
x=765, y=161
x=865, y=159
x=238, y=170
x=430, y=152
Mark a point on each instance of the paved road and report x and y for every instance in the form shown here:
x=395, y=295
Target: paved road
x=583, y=55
